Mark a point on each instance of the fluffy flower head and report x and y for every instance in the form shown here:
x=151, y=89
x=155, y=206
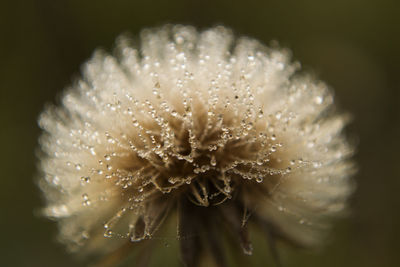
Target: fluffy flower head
x=220, y=129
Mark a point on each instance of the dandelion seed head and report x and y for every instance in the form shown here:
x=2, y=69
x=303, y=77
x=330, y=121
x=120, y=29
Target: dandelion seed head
x=225, y=123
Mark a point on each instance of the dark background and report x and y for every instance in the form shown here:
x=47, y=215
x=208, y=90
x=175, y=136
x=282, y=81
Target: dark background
x=351, y=44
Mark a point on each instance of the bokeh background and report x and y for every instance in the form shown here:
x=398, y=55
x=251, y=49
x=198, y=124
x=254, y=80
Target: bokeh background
x=351, y=44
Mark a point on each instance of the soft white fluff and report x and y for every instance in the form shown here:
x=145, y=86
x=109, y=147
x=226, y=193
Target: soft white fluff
x=183, y=111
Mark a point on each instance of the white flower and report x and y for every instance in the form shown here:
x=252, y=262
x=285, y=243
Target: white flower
x=218, y=128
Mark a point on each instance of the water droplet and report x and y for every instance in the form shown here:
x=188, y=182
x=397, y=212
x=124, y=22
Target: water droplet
x=110, y=140
x=318, y=100
x=92, y=151
x=167, y=190
x=85, y=235
x=247, y=249
x=213, y=161
x=271, y=129
x=179, y=39
x=259, y=179
x=249, y=126
x=311, y=144
x=108, y=233
x=85, y=179
x=317, y=164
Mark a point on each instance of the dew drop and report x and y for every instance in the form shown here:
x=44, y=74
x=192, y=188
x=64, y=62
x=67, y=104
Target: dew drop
x=92, y=151
x=85, y=179
x=259, y=179
x=247, y=249
x=166, y=190
x=213, y=161
x=179, y=39
x=85, y=235
x=311, y=144
x=318, y=100
x=108, y=233
x=317, y=164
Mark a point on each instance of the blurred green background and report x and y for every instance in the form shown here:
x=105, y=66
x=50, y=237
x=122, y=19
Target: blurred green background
x=351, y=44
